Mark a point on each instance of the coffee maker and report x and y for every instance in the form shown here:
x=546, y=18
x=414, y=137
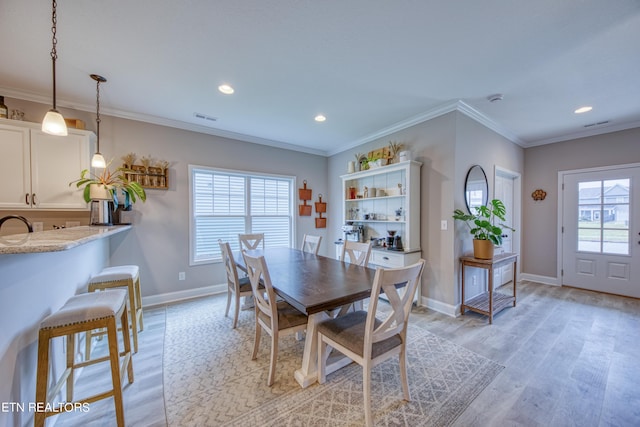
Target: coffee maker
x=355, y=233
x=394, y=242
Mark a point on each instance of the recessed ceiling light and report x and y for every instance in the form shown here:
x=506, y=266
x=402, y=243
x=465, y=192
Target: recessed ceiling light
x=583, y=109
x=320, y=118
x=226, y=89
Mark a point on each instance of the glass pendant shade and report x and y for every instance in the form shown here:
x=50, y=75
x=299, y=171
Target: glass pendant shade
x=97, y=161
x=54, y=124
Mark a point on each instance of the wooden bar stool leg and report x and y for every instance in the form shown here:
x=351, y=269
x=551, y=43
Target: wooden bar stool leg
x=42, y=376
x=138, y=306
x=124, y=320
x=71, y=351
x=115, y=370
x=134, y=317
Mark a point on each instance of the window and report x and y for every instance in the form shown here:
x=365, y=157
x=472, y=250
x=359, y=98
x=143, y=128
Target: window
x=603, y=221
x=227, y=203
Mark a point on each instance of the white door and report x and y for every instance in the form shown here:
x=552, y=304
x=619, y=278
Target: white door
x=601, y=230
x=504, y=189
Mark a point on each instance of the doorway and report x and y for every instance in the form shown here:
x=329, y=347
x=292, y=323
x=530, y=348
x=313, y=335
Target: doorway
x=600, y=229
x=506, y=187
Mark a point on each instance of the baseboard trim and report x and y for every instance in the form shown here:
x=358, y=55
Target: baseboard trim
x=440, y=307
x=172, y=297
x=546, y=280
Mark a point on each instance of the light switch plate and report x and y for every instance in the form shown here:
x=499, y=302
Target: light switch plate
x=443, y=224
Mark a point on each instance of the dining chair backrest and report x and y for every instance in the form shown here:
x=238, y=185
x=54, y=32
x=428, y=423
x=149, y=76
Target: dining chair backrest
x=251, y=241
x=265, y=297
x=357, y=252
x=230, y=267
x=399, y=286
x=311, y=243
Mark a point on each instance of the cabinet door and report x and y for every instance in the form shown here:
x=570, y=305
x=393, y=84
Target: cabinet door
x=15, y=174
x=55, y=162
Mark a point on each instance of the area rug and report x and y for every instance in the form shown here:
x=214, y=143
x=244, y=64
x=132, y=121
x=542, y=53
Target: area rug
x=210, y=379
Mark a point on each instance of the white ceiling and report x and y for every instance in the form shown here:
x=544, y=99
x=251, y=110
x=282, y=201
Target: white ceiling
x=371, y=66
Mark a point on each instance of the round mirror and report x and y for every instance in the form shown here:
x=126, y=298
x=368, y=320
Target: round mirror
x=476, y=188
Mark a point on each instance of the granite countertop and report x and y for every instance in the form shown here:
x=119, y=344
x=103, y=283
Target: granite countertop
x=56, y=240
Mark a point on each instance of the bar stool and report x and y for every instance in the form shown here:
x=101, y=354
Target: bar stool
x=80, y=314
x=123, y=276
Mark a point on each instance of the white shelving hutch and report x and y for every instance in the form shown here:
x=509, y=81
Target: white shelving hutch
x=400, y=183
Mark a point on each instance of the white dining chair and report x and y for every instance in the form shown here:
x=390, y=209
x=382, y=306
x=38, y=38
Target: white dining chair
x=367, y=340
x=277, y=318
x=311, y=243
x=251, y=241
x=237, y=287
x=358, y=253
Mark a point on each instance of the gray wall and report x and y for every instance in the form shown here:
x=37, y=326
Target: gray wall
x=159, y=242
x=541, y=167
x=447, y=146
x=432, y=144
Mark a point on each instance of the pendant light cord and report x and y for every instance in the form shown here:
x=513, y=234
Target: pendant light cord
x=54, y=52
x=98, y=114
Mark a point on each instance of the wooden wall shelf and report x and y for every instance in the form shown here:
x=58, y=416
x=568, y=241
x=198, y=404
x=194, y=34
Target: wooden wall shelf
x=148, y=177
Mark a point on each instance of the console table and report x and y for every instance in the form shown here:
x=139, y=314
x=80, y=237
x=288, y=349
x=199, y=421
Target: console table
x=489, y=303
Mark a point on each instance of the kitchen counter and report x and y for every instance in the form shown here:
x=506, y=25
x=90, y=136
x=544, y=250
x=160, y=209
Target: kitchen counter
x=39, y=272
x=56, y=240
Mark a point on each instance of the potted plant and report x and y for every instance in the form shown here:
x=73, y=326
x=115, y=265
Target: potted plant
x=108, y=185
x=483, y=227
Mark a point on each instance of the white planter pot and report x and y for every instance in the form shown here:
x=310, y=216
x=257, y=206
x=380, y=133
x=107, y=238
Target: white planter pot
x=99, y=192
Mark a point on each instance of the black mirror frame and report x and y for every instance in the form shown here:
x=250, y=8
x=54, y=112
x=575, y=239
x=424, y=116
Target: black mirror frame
x=485, y=198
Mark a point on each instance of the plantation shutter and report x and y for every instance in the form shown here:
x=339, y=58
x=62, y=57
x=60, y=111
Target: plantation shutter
x=226, y=204
x=271, y=210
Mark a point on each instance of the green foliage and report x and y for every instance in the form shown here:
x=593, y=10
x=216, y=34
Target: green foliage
x=482, y=225
x=115, y=182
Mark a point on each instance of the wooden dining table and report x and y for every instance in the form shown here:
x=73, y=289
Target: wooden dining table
x=315, y=285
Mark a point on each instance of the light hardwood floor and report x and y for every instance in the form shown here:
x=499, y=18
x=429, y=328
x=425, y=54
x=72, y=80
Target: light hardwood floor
x=571, y=357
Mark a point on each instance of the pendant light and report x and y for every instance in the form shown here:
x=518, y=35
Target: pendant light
x=53, y=122
x=97, y=161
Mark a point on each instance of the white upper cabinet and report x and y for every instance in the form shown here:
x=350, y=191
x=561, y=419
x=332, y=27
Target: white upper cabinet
x=36, y=168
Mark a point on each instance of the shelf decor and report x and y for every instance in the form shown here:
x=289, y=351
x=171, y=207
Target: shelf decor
x=304, y=194
x=149, y=173
x=321, y=207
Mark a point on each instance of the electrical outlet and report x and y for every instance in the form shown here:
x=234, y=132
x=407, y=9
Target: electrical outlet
x=181, y=275
x=474, y=280
x=443, y=224
x=38, y=226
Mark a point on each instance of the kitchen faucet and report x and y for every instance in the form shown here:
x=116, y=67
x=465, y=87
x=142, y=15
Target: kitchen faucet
x=18, y=217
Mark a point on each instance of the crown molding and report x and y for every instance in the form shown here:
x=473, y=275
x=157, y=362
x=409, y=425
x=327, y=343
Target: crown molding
x=600, y=130
x=431, y=114
x=484, y=120
x=145, y=118
x=398, y=126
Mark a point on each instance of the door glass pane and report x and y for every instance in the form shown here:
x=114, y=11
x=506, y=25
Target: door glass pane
x=615, y=242
x=589, y=216
x=603, y=216
x=589, y=240
x=589, y=192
